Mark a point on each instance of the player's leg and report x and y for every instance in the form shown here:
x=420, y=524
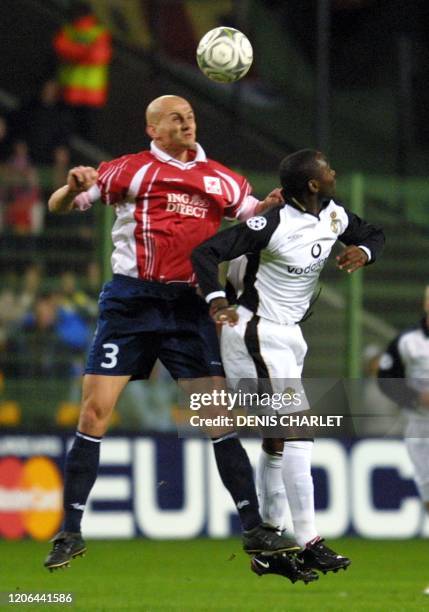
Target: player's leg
x=417, y=445
x=281, y=350
x=240, y=367
x=100, y=395
x=117, y=353
x=236, y=474
x=193, y=359
x=269, y=483
x=241, y=371
x=272, y=361
x=418, y=451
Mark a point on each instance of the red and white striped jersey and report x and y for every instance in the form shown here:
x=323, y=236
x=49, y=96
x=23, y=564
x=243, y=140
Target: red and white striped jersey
x=165, y=208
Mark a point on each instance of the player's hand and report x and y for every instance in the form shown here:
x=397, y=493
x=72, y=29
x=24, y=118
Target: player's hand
x=274, y=198
x=222, y=313
x=81, y=178
x=351, y=259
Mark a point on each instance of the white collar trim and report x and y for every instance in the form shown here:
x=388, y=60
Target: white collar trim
x=165, y=157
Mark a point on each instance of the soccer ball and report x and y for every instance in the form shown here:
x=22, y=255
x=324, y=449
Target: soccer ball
x=224, y=55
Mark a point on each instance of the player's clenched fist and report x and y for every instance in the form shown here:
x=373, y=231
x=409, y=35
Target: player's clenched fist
x=81, y=178
x=222, y=313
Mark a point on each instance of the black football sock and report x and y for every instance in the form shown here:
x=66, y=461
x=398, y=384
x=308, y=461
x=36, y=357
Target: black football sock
x=79, y=476
x=237, y=476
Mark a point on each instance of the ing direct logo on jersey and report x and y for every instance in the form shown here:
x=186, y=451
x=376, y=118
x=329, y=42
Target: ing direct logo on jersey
x=30, y=498
x=184, y=204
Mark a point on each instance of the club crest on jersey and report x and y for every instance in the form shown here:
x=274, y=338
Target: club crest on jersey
x=256, y=223
x=212, y=185
x=335, y=223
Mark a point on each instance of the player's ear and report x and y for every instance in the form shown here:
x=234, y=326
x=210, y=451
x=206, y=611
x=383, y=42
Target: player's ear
x=313, y=186
x=151, y=131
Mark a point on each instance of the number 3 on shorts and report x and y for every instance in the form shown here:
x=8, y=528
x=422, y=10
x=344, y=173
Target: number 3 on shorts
x=111, y=351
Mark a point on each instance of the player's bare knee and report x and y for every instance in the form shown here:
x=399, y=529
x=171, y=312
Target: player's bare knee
x=94, y=413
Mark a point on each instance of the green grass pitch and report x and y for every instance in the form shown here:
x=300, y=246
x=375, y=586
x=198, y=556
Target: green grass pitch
x=200, y=575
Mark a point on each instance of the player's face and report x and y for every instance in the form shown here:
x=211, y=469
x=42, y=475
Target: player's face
x=176, y=128
x=325, y=177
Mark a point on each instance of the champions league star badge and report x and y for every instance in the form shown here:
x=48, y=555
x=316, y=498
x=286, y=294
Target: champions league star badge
x=256, y=223
x=335, y=223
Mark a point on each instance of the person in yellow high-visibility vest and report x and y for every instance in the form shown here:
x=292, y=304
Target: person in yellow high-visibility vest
x=84, y=50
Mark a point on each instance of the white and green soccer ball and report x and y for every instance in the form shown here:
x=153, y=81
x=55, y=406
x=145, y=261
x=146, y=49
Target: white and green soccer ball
x=224, y=55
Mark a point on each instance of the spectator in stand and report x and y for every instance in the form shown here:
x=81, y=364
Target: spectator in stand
x=36, y=348
x=43, y=124
x=73, y=298
x=23, y=209
x=16, y=301
x=29, y=289
x=84, y=51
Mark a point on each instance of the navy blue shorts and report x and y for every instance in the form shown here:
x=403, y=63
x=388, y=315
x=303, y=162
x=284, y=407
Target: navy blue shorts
x=141, y=321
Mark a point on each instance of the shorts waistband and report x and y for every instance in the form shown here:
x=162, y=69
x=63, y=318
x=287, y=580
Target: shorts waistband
x=168, y=289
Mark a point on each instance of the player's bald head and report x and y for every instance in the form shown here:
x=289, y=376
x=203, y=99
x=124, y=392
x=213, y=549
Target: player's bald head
x=164, y=105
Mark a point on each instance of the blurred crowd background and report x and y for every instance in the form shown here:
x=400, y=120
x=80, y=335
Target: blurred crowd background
x=346, y=76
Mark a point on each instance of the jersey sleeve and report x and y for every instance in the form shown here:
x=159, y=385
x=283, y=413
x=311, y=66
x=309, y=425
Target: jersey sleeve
x=87, y=198
x=114, y=181
x=244, y=238
x=392, y=379
x=112, y=186
x=240, y=203
x=363, y=234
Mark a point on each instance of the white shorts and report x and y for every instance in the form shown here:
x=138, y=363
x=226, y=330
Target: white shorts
x=417, y=443
x=259, y=349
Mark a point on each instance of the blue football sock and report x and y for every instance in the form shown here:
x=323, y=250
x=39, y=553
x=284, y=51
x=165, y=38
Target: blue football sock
x=237, y=476
x=79, y=476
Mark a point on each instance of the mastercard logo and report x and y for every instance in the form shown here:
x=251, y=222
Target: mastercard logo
x=30, y=498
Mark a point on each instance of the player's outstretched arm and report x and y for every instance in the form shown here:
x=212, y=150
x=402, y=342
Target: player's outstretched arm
x=79, y=179
x=274, y=198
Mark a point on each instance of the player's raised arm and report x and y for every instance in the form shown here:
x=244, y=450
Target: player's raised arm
x=79, y=180
x=364, y=243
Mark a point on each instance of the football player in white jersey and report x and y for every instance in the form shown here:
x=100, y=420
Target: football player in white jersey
x=404, y=377
x=276, y=260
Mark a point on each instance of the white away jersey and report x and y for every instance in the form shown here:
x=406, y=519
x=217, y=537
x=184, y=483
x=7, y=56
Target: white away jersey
x=404, y=367
x=280, y=257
